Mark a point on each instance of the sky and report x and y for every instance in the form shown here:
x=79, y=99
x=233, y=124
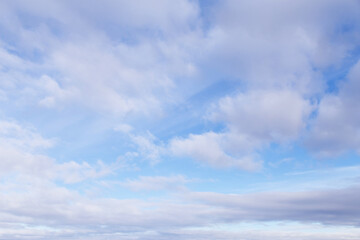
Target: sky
x=174, y=120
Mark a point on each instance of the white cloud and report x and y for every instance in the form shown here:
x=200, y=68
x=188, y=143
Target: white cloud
x=73, y=172
x=52, y=91
x=278, y=51
x=209, y=148
x=254, y=120
x=13, y=134
x=21, y=151
x=148, y=147
x=68, y=213
x=275, y=115
x=84, y=60
x=103, y=81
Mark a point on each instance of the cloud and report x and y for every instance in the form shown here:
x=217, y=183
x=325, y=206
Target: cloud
x=124, y=61
x=136, y=66
x=63, y=209
x=148, y=148
x=275, y=115
x=253, y=121
x=169, y=18
x=12, y=134
x=22, y=153
x=336, y=127
x=81, y=59
x=52, y=91
x=334, y=207
x=66, y=212
x=277, y=44
x=278, y=52
x=207, y=148
x=95, y=71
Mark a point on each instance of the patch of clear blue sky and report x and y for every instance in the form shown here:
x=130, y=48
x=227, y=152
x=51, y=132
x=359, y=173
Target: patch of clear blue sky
x=207, y=8
x=335, y=75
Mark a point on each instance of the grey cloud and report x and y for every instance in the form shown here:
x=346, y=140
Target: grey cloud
x=337, y=207
x=281, y=44
x=156, y=15
x=44, y=204
x=248, y=235
x=278, y=50
x=336, y=127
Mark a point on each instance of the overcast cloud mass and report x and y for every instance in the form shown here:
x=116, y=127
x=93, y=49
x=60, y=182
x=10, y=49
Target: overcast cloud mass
x=174, y=120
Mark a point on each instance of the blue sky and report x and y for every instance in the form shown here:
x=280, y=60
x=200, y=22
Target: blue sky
x=157, y=119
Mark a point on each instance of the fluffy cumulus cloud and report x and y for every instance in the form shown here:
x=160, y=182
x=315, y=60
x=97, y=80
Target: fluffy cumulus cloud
x=209, y=148
x=278, y=52
x=265, y=115
x=254, y=120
